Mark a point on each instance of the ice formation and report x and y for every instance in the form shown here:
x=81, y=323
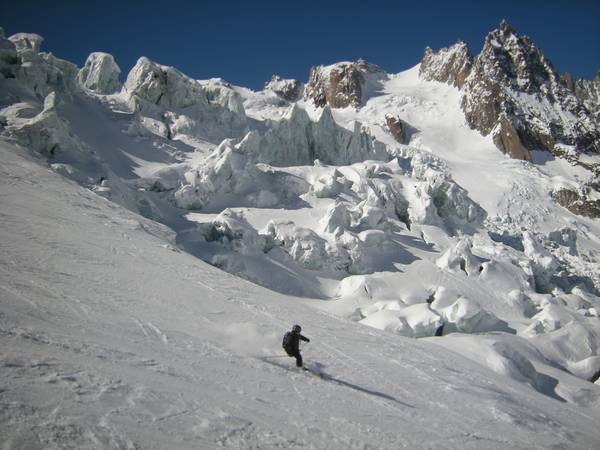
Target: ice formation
x=100, y=74
x=364, y=194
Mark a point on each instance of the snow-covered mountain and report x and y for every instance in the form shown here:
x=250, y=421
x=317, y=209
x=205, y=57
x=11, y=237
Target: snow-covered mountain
x=435, y=232
x=511, y=90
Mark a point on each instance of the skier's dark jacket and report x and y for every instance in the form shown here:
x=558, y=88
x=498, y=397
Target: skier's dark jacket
x=293, y=342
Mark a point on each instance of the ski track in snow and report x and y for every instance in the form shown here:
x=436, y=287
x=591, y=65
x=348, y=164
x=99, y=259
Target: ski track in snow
x=89, y=386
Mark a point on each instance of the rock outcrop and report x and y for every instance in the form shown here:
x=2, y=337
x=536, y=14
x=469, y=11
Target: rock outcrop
x=588, y=91
x=576, y=203
x=287, y=89
x=449, y=65
x=397, y=128
x=340, y=85
x=506, y=138
x=100, y=74
x=514, y=91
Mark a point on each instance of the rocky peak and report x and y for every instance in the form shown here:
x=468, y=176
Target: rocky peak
x=505, y=27
x=367, y=67
x=516, y=61
x=449, y=65
x=339, y=85
x=514, y=93
x=588, y=91
x=287, y=89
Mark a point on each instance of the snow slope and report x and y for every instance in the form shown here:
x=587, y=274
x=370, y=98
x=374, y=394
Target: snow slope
x=157, y=240
x=113, y=338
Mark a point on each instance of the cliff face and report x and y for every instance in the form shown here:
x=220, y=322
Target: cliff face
x=339, y=85
x=449, y=65
x=513, y=85
x=588, y=91
x=511, y=91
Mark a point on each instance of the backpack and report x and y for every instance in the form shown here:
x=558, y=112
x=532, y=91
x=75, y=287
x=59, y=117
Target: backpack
x=287, y=342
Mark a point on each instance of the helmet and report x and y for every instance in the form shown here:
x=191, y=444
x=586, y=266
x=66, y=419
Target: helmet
x=296, y=329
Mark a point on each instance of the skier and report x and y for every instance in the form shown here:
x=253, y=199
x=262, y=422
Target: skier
x=291, y=343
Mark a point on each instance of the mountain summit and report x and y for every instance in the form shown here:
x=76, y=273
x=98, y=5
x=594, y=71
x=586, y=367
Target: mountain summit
x=511, y=91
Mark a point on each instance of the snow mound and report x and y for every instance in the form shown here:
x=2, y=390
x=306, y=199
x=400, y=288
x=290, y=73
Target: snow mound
x=192, y=111
x=230, y=174
x=460, y=259
x=442, y=202
x=230, y=228
x=163, y=86
x=412, y=321
x=467, y=316
x=39, y=73
x=220, y=92
x=543, y=264
x=47, y=133
x=287, y=89
x=27, y=42
x=100, y=74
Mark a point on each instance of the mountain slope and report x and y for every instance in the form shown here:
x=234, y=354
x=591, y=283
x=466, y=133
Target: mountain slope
x=115, y=339
x=158, y=238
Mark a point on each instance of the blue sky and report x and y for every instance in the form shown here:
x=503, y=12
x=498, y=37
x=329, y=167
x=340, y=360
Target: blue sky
x=246, y=42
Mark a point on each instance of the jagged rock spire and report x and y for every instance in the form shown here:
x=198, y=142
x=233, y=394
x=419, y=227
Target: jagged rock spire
x=509, y=66
x=449, y=65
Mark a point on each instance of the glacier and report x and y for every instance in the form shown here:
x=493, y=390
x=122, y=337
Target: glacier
x=160, y=234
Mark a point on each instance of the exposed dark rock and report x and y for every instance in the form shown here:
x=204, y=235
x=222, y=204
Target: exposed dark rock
x=588, y=91
x=507, y=139
x=288, y=89
x=397, y=128
x=339, y=85
x=567, y=79
x=513, y=83
x=574, y=202
x=449, y=65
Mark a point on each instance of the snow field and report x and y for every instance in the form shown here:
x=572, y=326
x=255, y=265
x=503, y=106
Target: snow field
x=119, y=335
x=114, y=338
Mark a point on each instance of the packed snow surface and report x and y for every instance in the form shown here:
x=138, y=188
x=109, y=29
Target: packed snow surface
x=158, y=238
x=113, y=337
